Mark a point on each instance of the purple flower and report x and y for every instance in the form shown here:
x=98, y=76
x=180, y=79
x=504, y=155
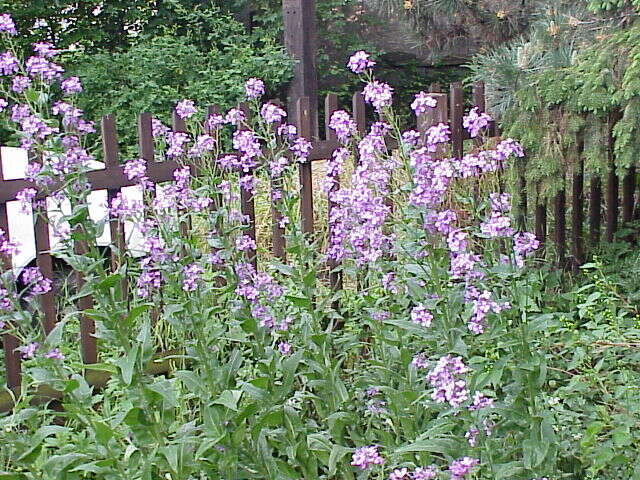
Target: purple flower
x=419, y=361
x=191, y=274
x=436, y=135
x=176, y=142
x=284, y=348
x=497, y=225
x=25, y=197
x=3, y=104
x=444, y=378
x=7, y=25
x=480, y=401
x=378, y=94
x=158, y=129
x=214, y=122
x=500, y=202
x=19, y=83
x=136, y=169
x=422, y=103
x=272, y=113
x=424, y=473
x=44, y=69
x=8, y=63
x=254, y=88
x=400, y=474
x=35, y=281
x=475, y=121
x=524, y=243
x=54, y=354
x=359, y=62
x=421, y=315
x=364, y=457
x=342, y=124
x=457, y=241
x=29, y=350
x=245, y=242
x=462, y=467
x=235, y=116
x=286, y=130
x=301, y=148
x=411, y=138
x=71, y=85
x=44, y=49
x=204, y=144
x=472, y=436
x=186, y=109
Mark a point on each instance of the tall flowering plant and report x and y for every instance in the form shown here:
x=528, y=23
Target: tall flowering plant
x=270, y=376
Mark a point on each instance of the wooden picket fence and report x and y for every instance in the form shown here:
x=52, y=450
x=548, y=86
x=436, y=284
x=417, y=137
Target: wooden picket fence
x=449, y=109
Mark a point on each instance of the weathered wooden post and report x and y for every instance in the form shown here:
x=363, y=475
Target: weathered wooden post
x=300, y=40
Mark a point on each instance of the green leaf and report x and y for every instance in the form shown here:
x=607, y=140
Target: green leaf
x=127, y=364
x=445, y=446
x=230, y=399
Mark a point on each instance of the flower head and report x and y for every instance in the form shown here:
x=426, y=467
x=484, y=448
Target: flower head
x=359, y=62
x=364, y=457
x=186, y=109
x=7, y=24
x=254, y=88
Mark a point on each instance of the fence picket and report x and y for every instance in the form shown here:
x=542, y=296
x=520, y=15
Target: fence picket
x=9, y=342
x=303, y=121
x=457, y=105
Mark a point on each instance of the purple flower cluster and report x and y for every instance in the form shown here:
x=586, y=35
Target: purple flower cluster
x=356, y=223
x=365, y=457
x=301, y=148
x=421, y=316
x=475, y=121
x=342, y=124
x=204, y=144
x=8, y=64
x=422, y=103
x=446, y=382
x=71, y=85
x=190, y=276
x=7, y=25
x=25, y=197
x=176, y=142
x=186, y=109
x=35, y=281
x=19, y=83
x=254, y=88
x=524, y=243
x=482, y=305
x=359, y=62
x=497, y=225
x=54, y=354
x=378, y=94
x=136, y=169
x=462, y=467
x=272, y=113
x=40, y=67
x=480, y=401
x=29, y=350
x=246, y=142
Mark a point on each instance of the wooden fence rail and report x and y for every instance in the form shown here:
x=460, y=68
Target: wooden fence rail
x=449, y=109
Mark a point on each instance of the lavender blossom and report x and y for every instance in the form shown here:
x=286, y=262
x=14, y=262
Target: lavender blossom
x=424, y=473
x=35, y=281
x=7, y=25
x=26, y=197
x=342, y=124
x=364, y=457
x=272, y=113
x=284, y=348
x=71, y=85
x=8, y=64
x=45, y=49
x=186, y=109
x=462, y=467
x=400, y=474
x=421, y=315
x=29, y=351
x=422, y=103
x=191, y=275
x=19, y=83
x=378, y=94
x=445, y=378
x=359, y=62
x=54, y=354
x=254, y=88
x=475, y=121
